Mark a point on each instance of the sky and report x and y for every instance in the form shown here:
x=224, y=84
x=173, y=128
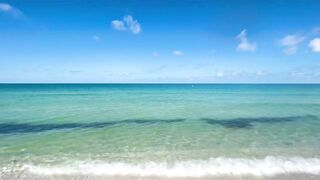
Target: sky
x=196, y=41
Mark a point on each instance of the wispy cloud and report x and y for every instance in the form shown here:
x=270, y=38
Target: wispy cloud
x=155, y=53
x=307, y=71
x=156, y=69
x=96, y=38
x=290, y=50
x=177, y=53
x=127, y=24
x=219, y=74
x=75, y=71
x=316, y=30
x=291, y=40
x=10, y=10
x=315, y=45
x=245, y=44
x=290, y=43
x=212, y=51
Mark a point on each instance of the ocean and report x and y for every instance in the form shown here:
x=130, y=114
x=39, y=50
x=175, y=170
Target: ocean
x=159, y=130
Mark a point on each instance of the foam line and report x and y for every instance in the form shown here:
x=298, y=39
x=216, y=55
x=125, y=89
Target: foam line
x=268, y=166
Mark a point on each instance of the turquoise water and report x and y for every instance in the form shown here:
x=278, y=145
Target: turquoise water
x=160, y=129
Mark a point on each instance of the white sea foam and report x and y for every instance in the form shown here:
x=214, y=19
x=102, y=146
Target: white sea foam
x=268, y=166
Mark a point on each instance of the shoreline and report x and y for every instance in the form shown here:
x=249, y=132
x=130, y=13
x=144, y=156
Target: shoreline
x=214, y=168
x=293, y=176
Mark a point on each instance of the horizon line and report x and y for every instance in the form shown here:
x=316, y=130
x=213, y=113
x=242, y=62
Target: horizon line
x=159, y=83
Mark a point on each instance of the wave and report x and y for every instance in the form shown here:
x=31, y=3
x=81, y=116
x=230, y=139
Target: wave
x=269, y=166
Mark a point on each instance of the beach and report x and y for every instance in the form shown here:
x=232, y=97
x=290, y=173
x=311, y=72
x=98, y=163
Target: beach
x=159, y=131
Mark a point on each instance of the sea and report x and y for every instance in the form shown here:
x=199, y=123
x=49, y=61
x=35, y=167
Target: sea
x=159, y=130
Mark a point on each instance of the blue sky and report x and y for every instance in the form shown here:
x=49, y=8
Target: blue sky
x=159, y=41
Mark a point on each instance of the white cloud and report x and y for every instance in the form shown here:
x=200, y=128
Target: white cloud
x=96, y=38
x=245, y=44
x=118, y=25
x=177, y=53
x=127, y=24
x=8, y=9
x=290, y=43
x=291, y=40
x=315, y=45
x=132, y=24
x=155, y=53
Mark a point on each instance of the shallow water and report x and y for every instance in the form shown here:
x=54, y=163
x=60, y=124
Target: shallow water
x=175, y=130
